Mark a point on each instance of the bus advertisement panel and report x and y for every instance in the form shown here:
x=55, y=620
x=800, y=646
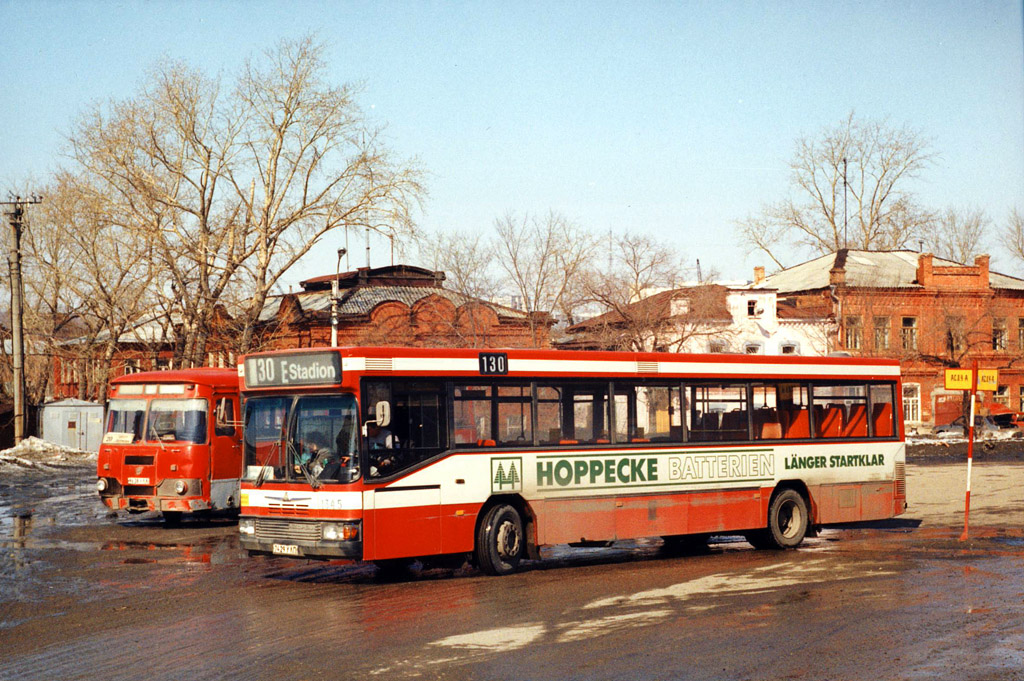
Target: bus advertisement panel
x=172, y=443
x=389, y=454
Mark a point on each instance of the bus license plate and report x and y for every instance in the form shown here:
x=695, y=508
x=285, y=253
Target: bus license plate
x=285, y=549
x=138, y=481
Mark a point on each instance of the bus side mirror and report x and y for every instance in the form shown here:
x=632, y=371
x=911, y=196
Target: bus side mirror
x=383, y=413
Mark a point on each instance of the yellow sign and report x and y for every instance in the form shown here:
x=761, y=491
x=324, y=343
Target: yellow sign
x=960, y=379
x=988, y=380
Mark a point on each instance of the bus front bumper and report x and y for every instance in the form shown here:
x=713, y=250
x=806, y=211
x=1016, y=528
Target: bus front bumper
x=324, y=539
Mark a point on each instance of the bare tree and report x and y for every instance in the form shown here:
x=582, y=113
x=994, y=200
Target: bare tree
x=240, y=182
x=467, y=260
x=307, y=163
x=1012, y=236
x=959, y=234
x=633, y=317
x=849, y=189
x=89, y=276
x=541, y=259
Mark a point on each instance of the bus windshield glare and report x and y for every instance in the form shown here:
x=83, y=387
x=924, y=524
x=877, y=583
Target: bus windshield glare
x=177, y=420
x=298, y=439
x=126, y=416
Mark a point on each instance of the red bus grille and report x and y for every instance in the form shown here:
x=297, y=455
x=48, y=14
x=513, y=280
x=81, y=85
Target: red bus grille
x=901, y=479
x=271, y=528
x=136, y=460
x=139, y=491
x=290, y=510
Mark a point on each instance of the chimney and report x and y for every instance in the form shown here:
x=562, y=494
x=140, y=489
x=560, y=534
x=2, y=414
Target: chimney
x=981, y=262
x=759, y=274
x=924, y=269
x=837, y=275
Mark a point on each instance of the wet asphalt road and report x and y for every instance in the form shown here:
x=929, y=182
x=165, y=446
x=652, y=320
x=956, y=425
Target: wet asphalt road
x=87, y=596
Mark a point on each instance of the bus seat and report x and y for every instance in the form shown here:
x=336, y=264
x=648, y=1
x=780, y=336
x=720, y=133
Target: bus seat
x=857, y=424
x=771, y=430
x=830, y=423
x=882, y=416
x=485, y=443
x=568, y=442
x=799, y=424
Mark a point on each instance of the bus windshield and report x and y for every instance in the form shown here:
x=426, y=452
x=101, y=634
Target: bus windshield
x=177, y=420
x=126, y=416
x=302, y=439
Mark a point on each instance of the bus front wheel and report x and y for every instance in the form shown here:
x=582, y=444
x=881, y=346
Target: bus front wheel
x=500, y=542
x=788, y=520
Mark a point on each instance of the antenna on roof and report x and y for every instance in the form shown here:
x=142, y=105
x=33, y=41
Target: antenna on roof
x=700, y=279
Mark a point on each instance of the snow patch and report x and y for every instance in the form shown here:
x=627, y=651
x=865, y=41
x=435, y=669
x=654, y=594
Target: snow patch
x=40, y=455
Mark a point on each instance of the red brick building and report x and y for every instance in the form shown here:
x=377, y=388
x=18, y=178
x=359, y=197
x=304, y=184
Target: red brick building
x=928, y=312
x=397, y=305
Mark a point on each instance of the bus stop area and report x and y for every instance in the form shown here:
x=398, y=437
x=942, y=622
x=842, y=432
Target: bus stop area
x=87, y=595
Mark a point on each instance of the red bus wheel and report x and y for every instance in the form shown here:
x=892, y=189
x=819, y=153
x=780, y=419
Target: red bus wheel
x=500, y=543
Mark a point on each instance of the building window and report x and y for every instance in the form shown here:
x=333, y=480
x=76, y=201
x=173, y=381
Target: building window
x=881, y=333
x=716, y=346
x=955, y=335
x=789, y=349
x=1020, y=334
x=998, y=334
x=752, y=348
x=908, y=333
x=1002, y=395
x=132, y=366
x=912, y=402
x=751, y=308
x=853, y=333
x=1021, y=398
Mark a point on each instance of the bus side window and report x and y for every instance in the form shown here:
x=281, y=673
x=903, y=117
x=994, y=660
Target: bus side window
x=225, y=424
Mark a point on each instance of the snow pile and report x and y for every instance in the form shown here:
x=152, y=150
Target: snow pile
x=33, y=453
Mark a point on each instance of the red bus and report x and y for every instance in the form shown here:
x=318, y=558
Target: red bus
x=172, y=443
x=389, y=454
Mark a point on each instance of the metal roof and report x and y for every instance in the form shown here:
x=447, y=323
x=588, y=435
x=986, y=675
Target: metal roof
x=869, y=269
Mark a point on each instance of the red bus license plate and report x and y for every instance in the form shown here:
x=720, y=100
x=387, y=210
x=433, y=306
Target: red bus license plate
x=285, y=549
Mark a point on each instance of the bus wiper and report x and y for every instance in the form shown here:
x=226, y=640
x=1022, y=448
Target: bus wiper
x=263, y=464
x=313, y=482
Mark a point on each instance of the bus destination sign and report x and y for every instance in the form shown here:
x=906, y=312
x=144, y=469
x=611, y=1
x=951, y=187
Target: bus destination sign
x=307, y=368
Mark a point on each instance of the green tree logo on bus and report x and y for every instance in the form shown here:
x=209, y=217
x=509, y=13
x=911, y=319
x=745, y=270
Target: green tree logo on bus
x=505, y=475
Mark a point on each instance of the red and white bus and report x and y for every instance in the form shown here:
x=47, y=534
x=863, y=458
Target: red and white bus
x=172, y=443
x=387, y=454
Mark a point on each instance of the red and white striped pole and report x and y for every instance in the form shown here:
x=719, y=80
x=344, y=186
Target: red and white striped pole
x=970, y=450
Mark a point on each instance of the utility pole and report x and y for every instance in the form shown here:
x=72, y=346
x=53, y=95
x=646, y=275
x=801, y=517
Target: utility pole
x=846, y=243
x=15, y=217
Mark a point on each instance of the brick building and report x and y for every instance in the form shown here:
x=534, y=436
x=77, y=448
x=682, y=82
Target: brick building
x=397, y=305
x=928, y=312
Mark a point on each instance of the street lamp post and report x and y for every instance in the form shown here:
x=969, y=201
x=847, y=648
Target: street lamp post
x=334, y=299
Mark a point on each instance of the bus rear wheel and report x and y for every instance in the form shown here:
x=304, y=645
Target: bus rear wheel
x=788, y=521
x=500, y=543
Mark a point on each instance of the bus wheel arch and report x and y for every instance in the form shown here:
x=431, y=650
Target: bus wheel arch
x=504, y=535
x=789, y=519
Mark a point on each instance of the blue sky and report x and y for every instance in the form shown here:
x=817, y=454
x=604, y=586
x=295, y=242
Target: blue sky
x=670, y=118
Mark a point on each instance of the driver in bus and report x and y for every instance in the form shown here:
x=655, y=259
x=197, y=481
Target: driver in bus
x=377, y=441
x=313, y=454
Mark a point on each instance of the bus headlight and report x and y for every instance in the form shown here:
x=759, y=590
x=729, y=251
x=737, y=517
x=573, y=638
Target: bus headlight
x=101, y=485
x=181, y=487
x=247, y=526
x=340, y=531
